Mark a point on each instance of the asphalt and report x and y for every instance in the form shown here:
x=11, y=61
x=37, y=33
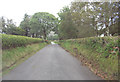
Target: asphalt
x=51, y=63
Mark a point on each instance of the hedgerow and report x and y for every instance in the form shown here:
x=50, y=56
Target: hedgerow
x=105, y=45
x=101, y=52
x=12, y=41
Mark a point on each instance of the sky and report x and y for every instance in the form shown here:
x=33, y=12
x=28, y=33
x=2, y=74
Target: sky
x=15, y=9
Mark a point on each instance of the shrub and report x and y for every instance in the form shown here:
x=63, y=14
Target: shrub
x=103, y=45
x=101, y=52
x=12, y=41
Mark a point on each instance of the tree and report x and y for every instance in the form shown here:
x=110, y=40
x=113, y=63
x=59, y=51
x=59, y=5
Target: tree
x=15, y=31
x=67, y=28
x=107, y=17
x=42, y=23
x=25, y=25
x=2, y=24
x=95, y=18
x=9, y=27
x=83, y=19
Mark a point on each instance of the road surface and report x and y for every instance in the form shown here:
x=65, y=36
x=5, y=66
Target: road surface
x=51, y=63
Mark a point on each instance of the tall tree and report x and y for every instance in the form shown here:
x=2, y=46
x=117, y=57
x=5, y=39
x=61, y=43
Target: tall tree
x=9, y=27
x=67, y=29
x=42, y=23
x=25, y=24
x=2, y=24
x=83, y=19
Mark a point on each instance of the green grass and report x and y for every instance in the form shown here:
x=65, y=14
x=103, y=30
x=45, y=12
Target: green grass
x=56, y=42
x=100, y=55
x=13, y=57
x=12, y=41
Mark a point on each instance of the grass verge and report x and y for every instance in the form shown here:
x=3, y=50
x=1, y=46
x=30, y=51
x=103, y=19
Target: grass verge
x=13, y=57
x=101, y=59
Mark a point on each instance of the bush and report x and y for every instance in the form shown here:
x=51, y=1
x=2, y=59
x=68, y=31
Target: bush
x=12, y=41
x=103, y=45
x=101, y=52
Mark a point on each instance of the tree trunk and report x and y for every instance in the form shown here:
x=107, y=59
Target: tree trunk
x=108, y=31
x=96, y=31
x=26, y=34
x=33, y=35
x=36, y=35
x=45, y=34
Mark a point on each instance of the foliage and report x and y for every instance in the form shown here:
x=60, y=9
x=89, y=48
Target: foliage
x=38, y=25
x=25, y=24
x=102, y=52
x=89, y=19
x=12, y=57
x=67, y=28
x=53, y=37
x=9, y=27
x=12, y=41
x=42, y=23
x=14, y=31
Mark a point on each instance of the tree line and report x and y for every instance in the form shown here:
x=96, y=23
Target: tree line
x=89, y=19
x=38, y=25
x=79, y=20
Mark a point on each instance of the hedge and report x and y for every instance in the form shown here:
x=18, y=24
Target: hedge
x=105, y=45
x=12, y=41
x=101, y=52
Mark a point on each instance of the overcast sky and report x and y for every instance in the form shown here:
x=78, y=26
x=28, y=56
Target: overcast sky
x=15, y=9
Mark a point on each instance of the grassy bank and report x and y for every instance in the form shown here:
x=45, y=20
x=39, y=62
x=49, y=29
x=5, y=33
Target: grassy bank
x=13, y=57
x=99, y=54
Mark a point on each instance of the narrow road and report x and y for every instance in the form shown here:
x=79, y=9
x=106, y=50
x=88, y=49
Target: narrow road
x=51, y=63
